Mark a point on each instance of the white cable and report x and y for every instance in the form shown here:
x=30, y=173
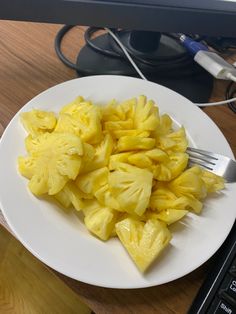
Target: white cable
x=218, y=103
x=126, y=53
x=231, y=77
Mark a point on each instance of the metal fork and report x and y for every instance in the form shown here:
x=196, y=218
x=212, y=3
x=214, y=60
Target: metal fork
x=216, y=163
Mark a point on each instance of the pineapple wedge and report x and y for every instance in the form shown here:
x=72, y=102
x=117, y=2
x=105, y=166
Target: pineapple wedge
x=163, y=199
x=169, y=216
x=173, y=142
x=82, y=119
x=92, y=181
x=127, y=143
x=70, y=195
x=146, y=116
x=99, y=220
x=56, y=158
x=101, y=156
x=37, y=122
x=143, y=241
x=131, y=187
x=189, y=183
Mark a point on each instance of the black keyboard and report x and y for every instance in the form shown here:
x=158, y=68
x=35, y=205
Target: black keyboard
x=218, y=293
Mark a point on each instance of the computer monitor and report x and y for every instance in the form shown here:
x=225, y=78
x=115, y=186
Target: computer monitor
x=202, y=17
x=205, y=17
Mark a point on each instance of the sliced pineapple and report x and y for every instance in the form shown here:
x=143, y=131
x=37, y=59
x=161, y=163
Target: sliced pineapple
x=213, y=182
x=169, y=216
x=83, y=120
x=146, y=116
x=131, y=187
x=104, y=196
x=118, y=158
x=177, y=163
x=163, y=199
x=74, y=106
x=101, y=157
x=120, y=133
x=92, y=181
x=26, y=166
x=37, y=122
x=189, y=183
x=118, y=112
x=57, y=158
x=164, y=127
x=143, y=241
x=140, y=160
x=129, y=143
x=174, y=142
x=70, y=194
x=119, y=125
x=99, y=220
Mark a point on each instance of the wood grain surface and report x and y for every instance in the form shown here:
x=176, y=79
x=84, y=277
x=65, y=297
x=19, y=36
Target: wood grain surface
x=28, y=65
x=26, y=285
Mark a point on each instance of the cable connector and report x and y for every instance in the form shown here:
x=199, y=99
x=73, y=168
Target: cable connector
x=209, y=60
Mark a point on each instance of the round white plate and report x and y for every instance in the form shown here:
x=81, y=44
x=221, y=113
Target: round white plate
x=62, y=242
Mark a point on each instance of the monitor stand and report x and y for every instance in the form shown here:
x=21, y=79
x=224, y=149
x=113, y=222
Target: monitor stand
x=182, y=75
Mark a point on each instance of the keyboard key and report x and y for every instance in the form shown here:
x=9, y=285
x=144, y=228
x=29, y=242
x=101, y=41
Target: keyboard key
x=229, y=287
x=221, y=307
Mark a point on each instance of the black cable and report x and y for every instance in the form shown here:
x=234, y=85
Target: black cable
x=165, y=64
x=65, y=29
x=178, y=60
x=231, y=93
x=87, y=37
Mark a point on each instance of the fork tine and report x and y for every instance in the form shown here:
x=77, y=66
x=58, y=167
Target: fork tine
x=200, y=152
x=221, y=165
x=195, y=161
x=204, y=158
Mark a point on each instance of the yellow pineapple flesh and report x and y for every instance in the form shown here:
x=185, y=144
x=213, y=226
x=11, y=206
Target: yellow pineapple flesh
x=144, y=241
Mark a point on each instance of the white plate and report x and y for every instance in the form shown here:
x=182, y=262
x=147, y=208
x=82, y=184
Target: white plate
x=63, y=243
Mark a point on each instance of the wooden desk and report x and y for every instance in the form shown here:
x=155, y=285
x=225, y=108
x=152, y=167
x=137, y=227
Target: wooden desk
x=28, y=65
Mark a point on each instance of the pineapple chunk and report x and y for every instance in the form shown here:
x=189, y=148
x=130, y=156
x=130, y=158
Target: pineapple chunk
x=140, y=160
x=118, y=125
x=146, y=115
x=37, y=122
x=169, y=216
x=92, y=181
x=26, y=166
x=84, y=122
x=104, y=196
x=131, y=187
x=57, y=158
x=70, y=194
x=189, y=183
x=163, y=199
x=213, y=182
x=74, y=106
x=174, y=142
x=164, y=126
x=118, y=158
x=118, y=112
x=157, y=155
x=143, y=241
x=101, y=157
x=127, y=143
x=99, y=220
x=120, y=133
x=177, y=164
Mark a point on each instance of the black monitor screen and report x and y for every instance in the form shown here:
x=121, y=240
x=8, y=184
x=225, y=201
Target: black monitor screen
x=204, y=17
